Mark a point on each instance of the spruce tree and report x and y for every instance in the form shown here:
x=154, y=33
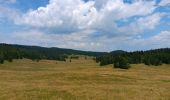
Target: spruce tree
x=121, y=62
x=1, y=58
x=1, y=61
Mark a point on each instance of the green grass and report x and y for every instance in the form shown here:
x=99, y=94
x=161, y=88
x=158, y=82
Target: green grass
x=82, y=80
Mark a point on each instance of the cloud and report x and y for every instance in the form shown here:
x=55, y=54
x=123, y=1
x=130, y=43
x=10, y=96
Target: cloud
x=142, y=24
x=81, y=41
x=7, y=1
x=8, y=13
x=63, y=15
x=160, y=40
x=164, y=2
x=91, y=25
x=84, y=41
x=67, y=16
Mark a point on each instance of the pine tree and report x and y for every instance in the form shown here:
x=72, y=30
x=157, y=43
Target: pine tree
x=121, y=62
x=1, y=58
x=1, y=61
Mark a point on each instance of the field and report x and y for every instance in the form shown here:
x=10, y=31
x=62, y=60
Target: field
x=82, y=79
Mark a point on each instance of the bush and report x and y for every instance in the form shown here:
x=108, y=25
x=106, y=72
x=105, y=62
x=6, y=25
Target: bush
x=1, y=58
x=151, y=60
x=1, y=61
x=103, y=62
x=146, y=61
x=10, y=60
x=121, y=62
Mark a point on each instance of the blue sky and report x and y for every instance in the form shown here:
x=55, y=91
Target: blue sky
x=95, y=25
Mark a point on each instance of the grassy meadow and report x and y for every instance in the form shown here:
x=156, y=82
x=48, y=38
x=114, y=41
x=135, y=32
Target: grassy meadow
x=82, y=79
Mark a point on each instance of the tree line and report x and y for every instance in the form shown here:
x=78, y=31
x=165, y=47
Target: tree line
x=9, y=52
x=122, y=59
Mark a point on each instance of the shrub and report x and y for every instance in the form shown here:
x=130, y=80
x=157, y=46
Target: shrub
x=10, y=60
x=121, y=62
x=1, y=58
x=1, y=61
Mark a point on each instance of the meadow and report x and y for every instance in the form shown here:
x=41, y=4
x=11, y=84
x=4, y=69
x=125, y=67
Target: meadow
x=82, y=79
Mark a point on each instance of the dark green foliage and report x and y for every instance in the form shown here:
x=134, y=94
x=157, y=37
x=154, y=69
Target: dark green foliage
x=152, y=60
x=1, y=61
x=150, y=57
x=10, y=59
x=146, y=61
x=105, y=60
x=35, y=53
x=118, y=52
x=1, y=58
x=121, y=62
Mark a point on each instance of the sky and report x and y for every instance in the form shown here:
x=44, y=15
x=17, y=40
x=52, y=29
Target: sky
x=90, y=25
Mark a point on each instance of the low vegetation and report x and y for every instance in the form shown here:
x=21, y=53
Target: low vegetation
x=82, y=79
x=121, y=62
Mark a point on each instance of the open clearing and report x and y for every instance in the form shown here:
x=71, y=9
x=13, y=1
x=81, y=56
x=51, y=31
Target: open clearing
x=82, y=80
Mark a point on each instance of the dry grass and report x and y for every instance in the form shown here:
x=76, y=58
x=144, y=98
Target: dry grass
x=82, y=80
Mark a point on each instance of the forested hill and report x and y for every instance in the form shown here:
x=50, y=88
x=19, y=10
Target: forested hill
x=9, y=52
x=122, y=58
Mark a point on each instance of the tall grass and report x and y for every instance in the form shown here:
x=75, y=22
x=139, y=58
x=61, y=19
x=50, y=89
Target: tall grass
x=82, y=79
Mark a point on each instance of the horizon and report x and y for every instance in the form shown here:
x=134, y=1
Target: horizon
x=83, y=50
x=87, y=25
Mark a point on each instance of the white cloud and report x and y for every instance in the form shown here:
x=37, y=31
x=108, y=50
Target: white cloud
x=74, y=40
x=84, y=41
x=164, y=2
x=63, y=15
x=76, y=15
x=160, y=40
x=90, y=25
x=7, y=13
x=142, y=24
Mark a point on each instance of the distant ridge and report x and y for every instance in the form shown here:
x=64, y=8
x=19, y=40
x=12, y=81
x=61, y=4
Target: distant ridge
x=15, y=51
x=118, y=52
x=121, y=58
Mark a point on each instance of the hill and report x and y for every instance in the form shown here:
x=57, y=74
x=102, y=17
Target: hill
x=9, y=52
x=117, y=52
x=150, y=57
